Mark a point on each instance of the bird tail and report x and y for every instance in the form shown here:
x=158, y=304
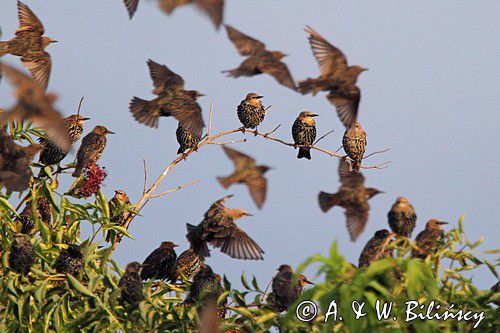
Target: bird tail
x=78, y=170
x=224, y=181
x=328, y=200
x=141, y=110
x=304, y=153
x=311, y=86
x=232, y=72
x=356, y=165
x=198, y=245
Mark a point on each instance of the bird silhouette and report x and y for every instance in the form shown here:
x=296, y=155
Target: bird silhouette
x=160, y=262
x=131, y=284
x=22, y=254
x=119, y=213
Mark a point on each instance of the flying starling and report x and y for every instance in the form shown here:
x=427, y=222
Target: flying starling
x=185, y=139
x=246, y=172
x=187, y=264
x=304, y=133
x=30, y=44
x=402, y=217
x=22, y=254
x=376, y=248
x=159, y=264
x=220, y=230
x=172, y=100
x=354, y=143
x=353, y=196
x=131, y=284
x=287, y=287
x=427, y=240
x=251, y=112
x=118, y=211
x=70, y=261
x=206, y=287
x=43, y=212
x=336, y=77
x=259, y=59
x=91, y=149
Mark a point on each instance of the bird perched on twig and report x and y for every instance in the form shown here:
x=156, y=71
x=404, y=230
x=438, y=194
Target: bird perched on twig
x=246, y=172
x=287, y=287
x=304, y=133
x=187, y=264
x=159, y=264
x=251, y=111
x=402, y=217
x=220, y=230
x=30, y=44
x=43, y=211
x=206, y=287
x=70, y=261
x=354, y=143
x=337, y=77
x=185, y=139
x=131, y=284
x=353, y=196
x=91, y=149
x=427, y=241
x=118, y=212
x=259, y=60
x=376, y=248
x=22, y=254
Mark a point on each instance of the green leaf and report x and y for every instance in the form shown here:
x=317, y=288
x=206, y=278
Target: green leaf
x=49, y=194
x=103, y=204
x=79, y=286
x=6, y=205
x=244, y=281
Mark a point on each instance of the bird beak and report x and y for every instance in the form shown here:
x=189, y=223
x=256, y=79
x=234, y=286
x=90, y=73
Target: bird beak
x=200, y=94
x=365, y=69
x=175, y=245
x=314, y=115
x=309, y=282
x=259, y=97
x=442, y=223
x=53, y=41
x=109, y=132
x=84, y=119
x=248, y=214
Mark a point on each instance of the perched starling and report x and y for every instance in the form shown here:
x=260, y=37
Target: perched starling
x=43, y=212
x=22, y=255
x=131, y=284
x=304, y=133
x=427, y=240
x=259, y=59
x=187, y=264
x=159, y=264
x=185, y=139
x=70, y=261
x=287, y=287
x=91, y=149
x=206, y=287
x=30, y=44
x=402, y=217
x=246, y=172
x=172, y=100
x=251, y=112
x=220, y=230
x=337, y=78
x=376, y=248
x=354, y=143
x=118, y=210
x=353, y=196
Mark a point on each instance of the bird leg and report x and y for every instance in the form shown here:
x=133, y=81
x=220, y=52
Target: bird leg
x=256, y=132
x=242, y=129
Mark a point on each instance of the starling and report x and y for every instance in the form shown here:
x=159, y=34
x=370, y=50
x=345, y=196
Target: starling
x=353, y=196
x=259, y=59
x=402, y=217
x=43, y=212
x=287, y=287
x=131, y=284
x=70, y=261
x=118, y=211
x=206, y=287
x=187, y=264
x=172, y=100
x=30, y=44
x=304, y=133
x=185, y=139
x=427, y=240
x=91, y=149
x=251, y=112
x=246, y=172
x=337, y=78
x=376, y=248
x=159, y=264
x=220, y=230
x=22, y=255
x=354, y=143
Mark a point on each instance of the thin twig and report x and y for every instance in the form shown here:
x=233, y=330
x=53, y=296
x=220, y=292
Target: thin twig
x=210, y=119
x=274, y=130
x=226, y=142
x=376, y=152
x=382, y=165
x=173, y=190
x=145, y=176
x=79, y=106
x=338, y=149
x=321, y=138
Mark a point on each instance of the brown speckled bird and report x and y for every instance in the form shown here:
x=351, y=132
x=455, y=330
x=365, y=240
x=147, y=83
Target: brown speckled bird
x=70, y=261
x=304, y=133
x=30, y=44
x=353, y=196
x=131, y=284
x=354, y=143
x=43, y=211
x=185, y=139
x=251, y=111
x=427, y=241
x=187, y=264
x=22, y=254
x=172, y=100
x=160, y=262
x=220, y=230
x=402, y=218
x=259, y=60
x=376, y=248
x=91, y=149
x=206, y=287
x=337, y=77
x=118, y=212
x=246, y=172
x=287, y=287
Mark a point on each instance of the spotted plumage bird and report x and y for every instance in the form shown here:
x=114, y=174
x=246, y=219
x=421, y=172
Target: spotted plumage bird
x=337, y=77
x=251, y=111
x=131, y=284
x=187, y=265
x=354, y=143
x=427, y=241
x=259, y=59
x=43, y=211
x=402, y=218
x=287, y=288
x=304, y=133
x=70, y=261
x=219, y=229
x=22, y=254
x=376, y=248
x=246, y=172
x=159, y=264
x=206, y=287
x=172, y=100
x=185, y=139
x=30, y=44
x=353, y=196
x=119, y=213
x=91, y=149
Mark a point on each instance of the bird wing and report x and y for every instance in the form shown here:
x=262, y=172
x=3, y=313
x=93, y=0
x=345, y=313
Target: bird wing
x=188, y=114
x=39, y=64
x=149, y=268
x=168, y=6
x=356, y=218
x=241, y=161
x=236, y=243
x=131, y=6
x=245, y=45
x=28, y=20
x=213, y=8
x=257, y=185
x=216, y=207
x=161, y=76
x=348, y=177
x=88, y=148
x=279, y=71
x=331, y=60
x=346, y=103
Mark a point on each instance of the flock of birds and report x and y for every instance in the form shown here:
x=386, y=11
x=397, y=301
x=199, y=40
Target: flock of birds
x=218, y=227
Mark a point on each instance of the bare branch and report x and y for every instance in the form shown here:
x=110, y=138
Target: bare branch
x=79, y=106
x=173, y=190
x=145, y=176
x=226, y=142
x=324, y=136
x=376, y=152
x=210, y=119
x=274, y=130
x=382, y=165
